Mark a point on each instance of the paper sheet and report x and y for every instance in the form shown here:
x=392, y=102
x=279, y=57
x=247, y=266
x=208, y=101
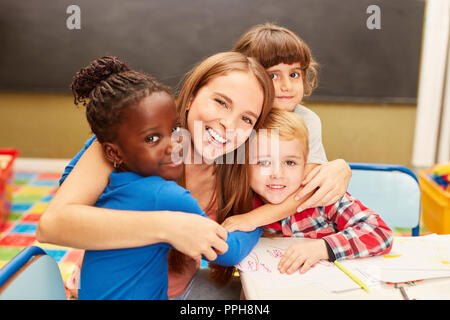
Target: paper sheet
x=411, y=258
x=262, y=266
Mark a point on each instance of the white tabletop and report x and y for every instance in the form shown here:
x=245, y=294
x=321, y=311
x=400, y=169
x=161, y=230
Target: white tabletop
x=434, y=289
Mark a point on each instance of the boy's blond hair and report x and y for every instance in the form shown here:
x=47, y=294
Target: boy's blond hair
x=289, y=126
x=271, y=44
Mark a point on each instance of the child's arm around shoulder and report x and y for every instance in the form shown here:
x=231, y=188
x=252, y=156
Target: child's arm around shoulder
x=361, y=231
x=264, y=214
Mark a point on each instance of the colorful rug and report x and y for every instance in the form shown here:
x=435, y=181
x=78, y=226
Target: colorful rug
x=31, y=194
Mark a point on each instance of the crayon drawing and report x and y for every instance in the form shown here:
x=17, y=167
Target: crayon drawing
x=262, y=260
x=262, y=266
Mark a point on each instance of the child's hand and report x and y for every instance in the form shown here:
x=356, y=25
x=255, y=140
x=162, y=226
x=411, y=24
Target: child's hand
x=304, y=255
x=241, y=222
x=331, y=180
x=195, y=235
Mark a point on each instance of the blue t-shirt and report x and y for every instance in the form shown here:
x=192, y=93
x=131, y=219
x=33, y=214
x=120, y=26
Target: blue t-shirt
x=141, y=273
x=133, y=273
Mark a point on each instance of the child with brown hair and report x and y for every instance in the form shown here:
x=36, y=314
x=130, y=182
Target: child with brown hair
x=289, y=62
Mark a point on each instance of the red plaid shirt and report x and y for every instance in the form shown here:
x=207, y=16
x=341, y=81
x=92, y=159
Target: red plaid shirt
x=350, y=229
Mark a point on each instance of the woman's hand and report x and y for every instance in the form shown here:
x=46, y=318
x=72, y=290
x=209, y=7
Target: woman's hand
x=304, y=255
x=330, y=182
x=195, y=235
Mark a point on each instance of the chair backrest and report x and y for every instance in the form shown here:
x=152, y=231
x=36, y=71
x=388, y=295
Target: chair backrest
x=31, y=275
x=390, y=190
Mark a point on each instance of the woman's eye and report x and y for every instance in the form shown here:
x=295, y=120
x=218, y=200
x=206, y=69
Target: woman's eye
x=273, y=76
x=247, y=120
x=221, y=102
x=176, y=129
x=295, y=75
x=151, y=138
x=290, y=163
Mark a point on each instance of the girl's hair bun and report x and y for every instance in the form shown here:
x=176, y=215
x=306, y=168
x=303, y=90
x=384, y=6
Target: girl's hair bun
x=92, y=75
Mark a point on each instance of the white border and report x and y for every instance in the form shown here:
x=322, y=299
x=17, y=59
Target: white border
x=431, y=82
x=444, y=138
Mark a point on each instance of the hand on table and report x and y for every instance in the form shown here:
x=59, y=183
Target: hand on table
x=303, y=255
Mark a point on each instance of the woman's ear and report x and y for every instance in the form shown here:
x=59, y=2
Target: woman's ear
x=112, y=154
x=189, y=103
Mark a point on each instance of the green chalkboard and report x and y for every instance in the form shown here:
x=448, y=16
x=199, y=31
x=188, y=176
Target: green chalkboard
x=167, y=37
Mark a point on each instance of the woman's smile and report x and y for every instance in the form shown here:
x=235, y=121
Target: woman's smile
x=215, y=137
x=276, y=187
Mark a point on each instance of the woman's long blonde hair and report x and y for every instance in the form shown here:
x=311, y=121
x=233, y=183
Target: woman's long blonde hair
x=220, y=64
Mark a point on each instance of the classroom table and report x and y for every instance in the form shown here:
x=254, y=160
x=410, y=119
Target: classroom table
x=430, y=289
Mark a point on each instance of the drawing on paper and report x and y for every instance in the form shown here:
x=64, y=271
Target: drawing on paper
x=262, y=260
x=275, y=252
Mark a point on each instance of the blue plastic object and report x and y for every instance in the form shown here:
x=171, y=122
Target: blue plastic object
x=31, y=275
x=392, y=191
x=18, y=262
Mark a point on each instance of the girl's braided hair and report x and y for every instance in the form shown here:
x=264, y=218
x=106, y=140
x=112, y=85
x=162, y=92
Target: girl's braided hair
x=107, y=86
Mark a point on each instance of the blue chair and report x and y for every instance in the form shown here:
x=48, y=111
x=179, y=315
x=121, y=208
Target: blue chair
x=390, y=190
x=31, y=275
